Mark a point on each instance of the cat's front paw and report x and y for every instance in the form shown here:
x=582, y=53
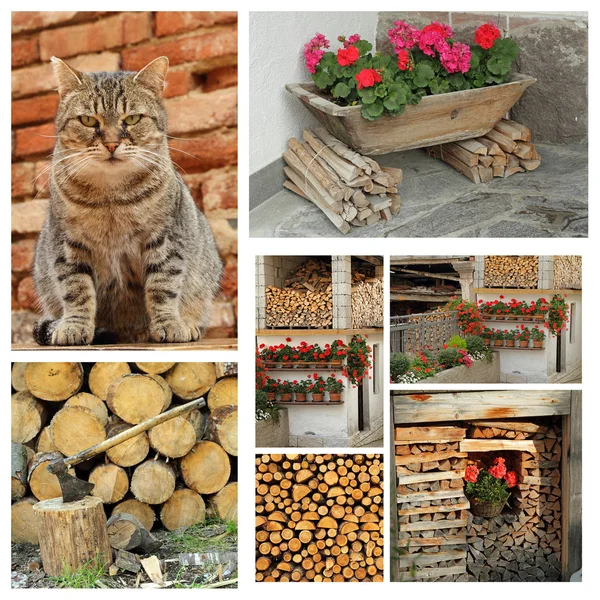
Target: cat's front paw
x=65, y=332
x=174, y=331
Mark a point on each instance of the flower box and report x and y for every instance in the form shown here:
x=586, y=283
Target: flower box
x=438, y=119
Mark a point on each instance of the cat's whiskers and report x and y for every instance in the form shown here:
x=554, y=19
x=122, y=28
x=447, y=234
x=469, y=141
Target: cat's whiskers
x=167, y=161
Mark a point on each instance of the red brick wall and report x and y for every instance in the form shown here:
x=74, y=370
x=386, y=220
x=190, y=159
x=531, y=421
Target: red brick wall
x=201, y=100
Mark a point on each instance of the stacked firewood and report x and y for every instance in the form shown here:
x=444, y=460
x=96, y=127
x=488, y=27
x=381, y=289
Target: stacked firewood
x=319, y=517
x=293, y=308
x=502, y=152
x=524, y=543
x=177, y=472
x=511, y=271
x=349, y=188
x=367, y=304
x=432, y=517
x=567, y=272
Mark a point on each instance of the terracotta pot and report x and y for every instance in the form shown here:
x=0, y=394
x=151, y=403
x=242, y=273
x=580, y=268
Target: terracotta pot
x=300, y=397
x=271, y=396
x=335, y=397
x=498, y=342
x=286, y=397
x=317, y=397
x=527, y=317
x=523, y=344
x=486, y=341
x=537, y=343
x=538, y=317
x=510, y=343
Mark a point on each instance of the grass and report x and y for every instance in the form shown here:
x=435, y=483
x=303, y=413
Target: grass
x=194, y=538
x=85, y=577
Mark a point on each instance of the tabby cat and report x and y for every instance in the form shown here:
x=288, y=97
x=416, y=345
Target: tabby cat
x=124, y=248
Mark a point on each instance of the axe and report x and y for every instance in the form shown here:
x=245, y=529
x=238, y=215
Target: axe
x=74, y=489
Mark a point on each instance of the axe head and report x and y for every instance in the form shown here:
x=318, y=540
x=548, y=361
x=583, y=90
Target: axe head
x=72, y=489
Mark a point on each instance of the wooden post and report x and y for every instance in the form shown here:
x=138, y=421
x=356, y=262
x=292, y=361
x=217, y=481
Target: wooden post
x=393, y=529
x=71, y=534
x=571, y=489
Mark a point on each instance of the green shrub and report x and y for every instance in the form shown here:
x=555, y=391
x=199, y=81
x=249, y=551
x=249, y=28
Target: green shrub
x=399, y=364
x=475, y=344
x=448, y=357
x=457, y=342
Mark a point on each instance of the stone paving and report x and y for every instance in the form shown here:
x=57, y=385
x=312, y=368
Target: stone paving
x=440, y=202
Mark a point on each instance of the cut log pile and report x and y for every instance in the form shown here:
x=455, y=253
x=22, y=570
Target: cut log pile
x=352, y=190
x=176, y=473
x=502, y=152
x=367, y=304
x=439, y=534
x=511, y=272
x=567, y=272
x=319, y=517
x=432, y=515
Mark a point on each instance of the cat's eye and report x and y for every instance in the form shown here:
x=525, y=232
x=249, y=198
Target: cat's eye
x=132, y=119
x=88, y=121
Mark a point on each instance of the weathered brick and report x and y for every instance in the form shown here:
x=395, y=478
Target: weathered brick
x=33, y=80
x=225, y=236
x=22, y=175
x=179, y=83
x=22, y=253
x=26, y=295
x=35, y=109
x=221, y=78
x=24, y=52
x=137, y=27
x=209, y=151
x=219, y=193
x=31, y=140
x=29, y=217
x=169, y=23
x=198, y=111
x=198, y=48
x=32, y=20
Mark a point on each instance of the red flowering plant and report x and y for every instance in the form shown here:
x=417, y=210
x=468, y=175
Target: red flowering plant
x=537, y=334
x=317, y=385
x=333, y=385
x=427, y=61
x=490, y=484
x=358, y=359
x=468, y=315
x=338, y=350
x=524, y=334
x=284, y=353
x=557, y=315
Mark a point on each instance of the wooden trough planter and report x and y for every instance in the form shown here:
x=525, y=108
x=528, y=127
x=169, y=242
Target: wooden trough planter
x=436, y=120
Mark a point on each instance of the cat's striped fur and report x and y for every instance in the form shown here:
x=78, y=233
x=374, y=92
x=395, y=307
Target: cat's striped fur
x=124, y=247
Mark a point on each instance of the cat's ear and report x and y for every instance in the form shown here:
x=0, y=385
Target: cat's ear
x=68, y=78
x=153, y=75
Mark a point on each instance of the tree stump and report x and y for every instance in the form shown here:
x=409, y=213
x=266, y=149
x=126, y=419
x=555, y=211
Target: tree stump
x=53, y=381
x=206, y=468
x=72, y=534
x=183, y=509
x=103, y=374
x=191, y=380
x=136, y=398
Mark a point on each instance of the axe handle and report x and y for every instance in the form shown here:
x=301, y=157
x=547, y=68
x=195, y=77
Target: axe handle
x=111, y=442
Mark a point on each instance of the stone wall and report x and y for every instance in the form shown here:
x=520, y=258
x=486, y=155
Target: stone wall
x=201, y=101
x=482, y=371
x=274, y=435
x=553, y=49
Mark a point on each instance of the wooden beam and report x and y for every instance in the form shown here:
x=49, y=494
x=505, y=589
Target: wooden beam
x=432, y=275
x=430, y=434
x=435, y=509
x=466, y=406
x=420, y=297
x=512, y=426
x=374, y=260
x=394, y=556
x=436, y=541
x=409, y=459
x=426, y=477
x=439, y=572
x=571, y=489
x=427, y=496
x=502, y=444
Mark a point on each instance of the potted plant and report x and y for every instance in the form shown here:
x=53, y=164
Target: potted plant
x=317, y=388
x=335, y=387
x=523, y=338
x=538, y=337
x=510, y=336
x=486, y=334
x=301, y=388
x=498, y=337
x=358, y=359
x=540, y=310
x=431, y=78
x=488, y=488
x=271, y=387
x=285, y=389
x=338, y=351
x=557, y=315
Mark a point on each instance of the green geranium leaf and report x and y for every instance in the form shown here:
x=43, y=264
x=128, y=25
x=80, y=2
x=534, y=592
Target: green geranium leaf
x=328, y=59
x=423, y=74
x=375, y=109
x=363, y=46
x=367, y=95
x=341, y=90
x=323, y=79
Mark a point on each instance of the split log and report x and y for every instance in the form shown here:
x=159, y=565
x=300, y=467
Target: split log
x=17, y=377
x=75, y=428
x=125, y=532
x=131, y=452
x=206, y=468
x=153, y=482
x=103, y=374
x=154, y=368
x=111, y=483
x=91, y=402
x=23, y=522
x=28, y=416
x=223, y=428
x=224, y=504
x=136, y=398
x=54, y=381
x=71, y=534
x=567, y=272
x=191, y=380
x=511, y=271
x=223, y=393
x=174, y=438
x=183, y=509
x=143, y=512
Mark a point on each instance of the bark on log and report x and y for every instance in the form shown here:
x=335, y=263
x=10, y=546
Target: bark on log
x=143, y=512
x=224, y=504
x=18, y=471
x=223, y=428
x=126, y=532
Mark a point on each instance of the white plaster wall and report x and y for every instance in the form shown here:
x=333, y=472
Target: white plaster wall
x=276, y=57
x=573, y=357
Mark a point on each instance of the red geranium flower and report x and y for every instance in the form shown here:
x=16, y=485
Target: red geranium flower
x=288, y=339
x=511, y=479
x=404, y=60
x=471, y=473
x=347, y=56
x=367, y=78
x=486, y=35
